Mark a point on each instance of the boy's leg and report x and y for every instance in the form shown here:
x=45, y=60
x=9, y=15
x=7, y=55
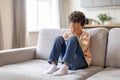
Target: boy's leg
x=74, y=55
x=58, y=47
x=67, y=58
x=78, y=60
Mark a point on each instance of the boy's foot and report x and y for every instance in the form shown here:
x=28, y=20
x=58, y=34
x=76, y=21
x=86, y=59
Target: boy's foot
x=62, y=71
x=52, y=69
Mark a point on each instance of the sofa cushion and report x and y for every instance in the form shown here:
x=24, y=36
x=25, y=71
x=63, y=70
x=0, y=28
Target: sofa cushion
x=107, y=74
x=113, y=48
x=98, y=43
x=45, y=41
x=33, y=70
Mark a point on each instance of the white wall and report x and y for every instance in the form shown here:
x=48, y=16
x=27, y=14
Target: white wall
x=114, y=12
x=6, y=7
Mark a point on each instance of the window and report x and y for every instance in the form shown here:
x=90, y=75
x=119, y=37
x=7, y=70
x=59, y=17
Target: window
x=42, y=14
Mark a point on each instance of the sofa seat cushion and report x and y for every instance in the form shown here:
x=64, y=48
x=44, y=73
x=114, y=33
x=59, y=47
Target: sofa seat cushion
x=33, y=70
x=107, y=74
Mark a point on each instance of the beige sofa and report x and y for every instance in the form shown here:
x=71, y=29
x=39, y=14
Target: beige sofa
x=30, y=63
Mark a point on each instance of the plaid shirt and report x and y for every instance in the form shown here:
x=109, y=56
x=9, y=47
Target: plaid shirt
x=84, y=40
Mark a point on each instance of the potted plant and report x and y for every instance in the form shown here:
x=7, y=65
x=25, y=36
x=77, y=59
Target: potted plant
x=104, y=17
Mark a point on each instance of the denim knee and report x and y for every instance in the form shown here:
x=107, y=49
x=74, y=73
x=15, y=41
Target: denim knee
x=72, y=38
x=59, y=38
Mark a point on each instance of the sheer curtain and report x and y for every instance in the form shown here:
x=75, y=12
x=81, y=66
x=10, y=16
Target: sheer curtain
x=56, y=13
x=19, y=30
x=44, y=14
x=1, y=36
x=61, y=14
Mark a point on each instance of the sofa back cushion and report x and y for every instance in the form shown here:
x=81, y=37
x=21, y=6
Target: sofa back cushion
x=98, y=43
x=45, y=41
x=113, y=48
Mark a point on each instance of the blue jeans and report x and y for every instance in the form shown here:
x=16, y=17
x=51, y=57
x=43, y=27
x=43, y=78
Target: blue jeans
x=70, y=52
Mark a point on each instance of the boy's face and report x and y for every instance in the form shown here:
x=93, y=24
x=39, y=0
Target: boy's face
x=75, y=28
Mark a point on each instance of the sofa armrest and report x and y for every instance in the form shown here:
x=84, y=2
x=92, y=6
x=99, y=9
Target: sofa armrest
x=16, y=55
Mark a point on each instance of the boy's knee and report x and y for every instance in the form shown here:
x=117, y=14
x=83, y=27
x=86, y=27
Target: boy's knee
x=60, y=38
x=73, y=38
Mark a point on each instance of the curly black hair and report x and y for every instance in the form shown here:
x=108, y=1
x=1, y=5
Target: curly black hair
x=77, y=17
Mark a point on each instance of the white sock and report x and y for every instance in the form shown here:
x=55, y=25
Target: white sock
x=52, y=69
x=62, y=71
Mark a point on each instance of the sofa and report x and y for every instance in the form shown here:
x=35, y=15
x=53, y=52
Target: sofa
x=30, y=63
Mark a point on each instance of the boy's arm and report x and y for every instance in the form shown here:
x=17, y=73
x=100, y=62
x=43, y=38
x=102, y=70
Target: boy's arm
x=85, y=42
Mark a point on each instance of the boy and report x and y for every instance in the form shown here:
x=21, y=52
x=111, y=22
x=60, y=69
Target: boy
x=73, y=47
